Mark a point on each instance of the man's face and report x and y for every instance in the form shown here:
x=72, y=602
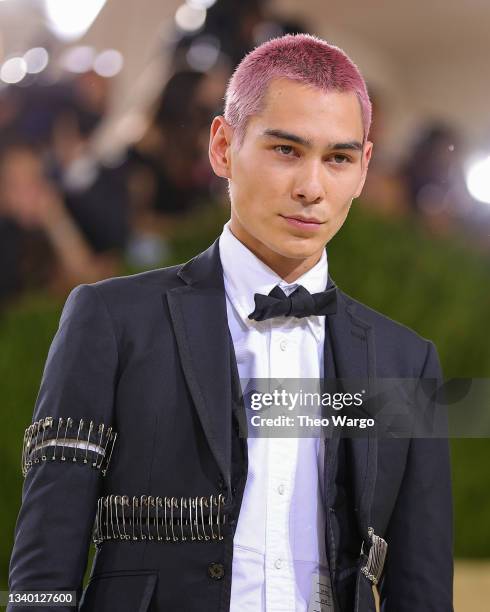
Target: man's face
x=301, y=159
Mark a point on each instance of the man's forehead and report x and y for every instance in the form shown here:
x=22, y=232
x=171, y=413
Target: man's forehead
x=298, y=107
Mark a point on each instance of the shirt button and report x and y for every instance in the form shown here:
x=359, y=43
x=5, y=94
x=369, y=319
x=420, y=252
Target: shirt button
x=280, y=489
x=283, y=345
x=278, y=563
x=216, y=571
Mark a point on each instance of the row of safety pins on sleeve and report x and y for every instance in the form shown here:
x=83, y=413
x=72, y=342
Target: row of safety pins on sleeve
x=161, y=519
x=66, y=439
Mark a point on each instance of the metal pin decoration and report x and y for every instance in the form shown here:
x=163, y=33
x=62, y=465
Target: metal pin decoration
x=201, y=501
x=166, y=505
x=158, y=504
x=193, y=537
x=80, y=427
x=101, y=433
x=173, y=504
x=142, y=503
x=37, y=425
x=41, y=435
x=182, y=501
x=213, y=535
x=47, y=424
x=146, y=512
x=151, y=502
x=69, y=422
x=218, y=521
x=91, y=426
x=195, y=504
x=376, y=557
x=112, y=442
x=117, y=499
x=135, y=504
x=124, y=503
x=60, y=423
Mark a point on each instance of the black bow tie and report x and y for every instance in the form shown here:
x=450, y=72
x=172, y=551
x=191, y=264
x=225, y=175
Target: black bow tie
x=301, y=303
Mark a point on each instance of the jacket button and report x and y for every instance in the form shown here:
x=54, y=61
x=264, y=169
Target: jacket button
x=216, y=571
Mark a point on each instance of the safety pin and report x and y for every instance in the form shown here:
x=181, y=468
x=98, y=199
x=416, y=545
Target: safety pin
x=151, y=501
x=158, y=503
x=173, y=503
x=80, y=427
x=113, y=441
x=88, y=440
x=124, y=502
x=36, y=448
x=101, y=432
x=135, y=504
x=60, y=423
x=213, y=535
x=167, y=537
x=190, y=520
x=142, y=501
x=69, y=422
x=48, y=421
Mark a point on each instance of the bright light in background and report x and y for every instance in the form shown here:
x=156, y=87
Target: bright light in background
x=78, y=59
x=36, y=60
x=190, y=18
x=108, y=63
x=70, y=19
x=201, y=3
x=478, y=180
x=203, y=53
x=13, y=70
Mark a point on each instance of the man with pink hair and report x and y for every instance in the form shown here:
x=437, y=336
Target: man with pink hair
x=190, y=513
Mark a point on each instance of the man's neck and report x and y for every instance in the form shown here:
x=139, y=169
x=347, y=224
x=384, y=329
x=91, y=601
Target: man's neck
x=287, y=268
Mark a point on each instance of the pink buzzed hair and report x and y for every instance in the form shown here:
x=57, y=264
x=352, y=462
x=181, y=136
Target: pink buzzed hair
x=300, y=57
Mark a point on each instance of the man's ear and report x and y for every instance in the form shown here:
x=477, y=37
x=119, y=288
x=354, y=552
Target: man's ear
x=220, y=136
x=366, y=157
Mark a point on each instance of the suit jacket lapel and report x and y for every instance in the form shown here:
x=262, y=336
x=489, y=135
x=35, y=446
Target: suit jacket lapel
x=352, y=355
x=198, y=313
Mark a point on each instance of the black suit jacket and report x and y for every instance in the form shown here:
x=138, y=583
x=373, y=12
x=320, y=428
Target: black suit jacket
x=150, y=355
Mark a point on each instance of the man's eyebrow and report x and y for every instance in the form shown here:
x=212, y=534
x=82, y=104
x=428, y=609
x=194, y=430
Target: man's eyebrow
x=351, y=145
x=287, y=136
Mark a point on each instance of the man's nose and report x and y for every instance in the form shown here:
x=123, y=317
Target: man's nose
x=308, y=188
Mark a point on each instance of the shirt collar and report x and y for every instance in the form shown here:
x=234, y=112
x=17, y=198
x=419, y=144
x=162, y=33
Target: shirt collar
x=245, y=274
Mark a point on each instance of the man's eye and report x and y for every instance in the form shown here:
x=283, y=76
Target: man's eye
x=341, y=159
x=284, y=149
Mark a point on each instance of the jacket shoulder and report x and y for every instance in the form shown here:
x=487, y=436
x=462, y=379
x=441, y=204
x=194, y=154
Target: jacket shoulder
x=140, y=286
x=396, y=343
x=129, y=300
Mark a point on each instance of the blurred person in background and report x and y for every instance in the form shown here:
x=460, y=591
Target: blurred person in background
x=384, y=190
x=41, y=245
x=95, y=194
x=433, y=178
x=169, y=175
x=170, y=154
x=10, y=105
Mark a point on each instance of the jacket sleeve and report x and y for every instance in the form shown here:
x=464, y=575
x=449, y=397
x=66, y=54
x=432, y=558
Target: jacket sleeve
x=66, y=449
x=419, y=563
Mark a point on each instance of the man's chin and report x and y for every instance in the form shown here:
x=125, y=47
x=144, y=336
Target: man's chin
x=296, y=252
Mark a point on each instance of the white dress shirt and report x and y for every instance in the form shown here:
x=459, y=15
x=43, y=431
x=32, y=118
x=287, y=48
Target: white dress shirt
x=279, y=544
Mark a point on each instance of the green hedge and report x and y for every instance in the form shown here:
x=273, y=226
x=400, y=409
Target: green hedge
x=436, y=286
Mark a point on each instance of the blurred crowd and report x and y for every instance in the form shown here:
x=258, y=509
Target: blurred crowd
x=66, y=217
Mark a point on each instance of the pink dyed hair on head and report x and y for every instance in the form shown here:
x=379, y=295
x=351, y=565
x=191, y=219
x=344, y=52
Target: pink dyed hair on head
x=299, y=57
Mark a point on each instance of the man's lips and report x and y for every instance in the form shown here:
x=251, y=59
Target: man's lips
x=303, y=222
x=305, y=219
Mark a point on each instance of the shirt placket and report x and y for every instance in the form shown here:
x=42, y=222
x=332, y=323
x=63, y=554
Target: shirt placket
x=282, y=457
